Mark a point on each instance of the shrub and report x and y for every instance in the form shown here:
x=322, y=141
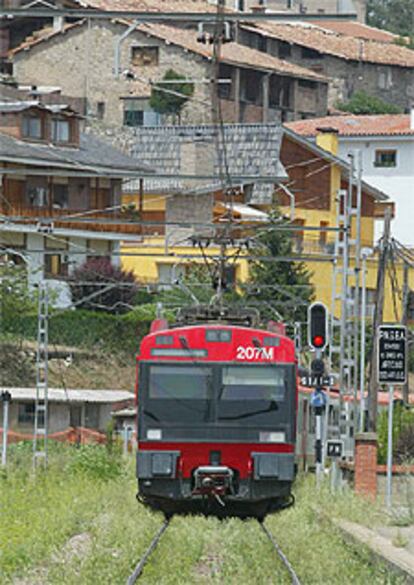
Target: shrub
x=164, y=101
x=402, y=433
x=96, y=461
x=363, y=103
x=115, y=294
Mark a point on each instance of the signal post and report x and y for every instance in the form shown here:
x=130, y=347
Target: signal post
x=318, y=340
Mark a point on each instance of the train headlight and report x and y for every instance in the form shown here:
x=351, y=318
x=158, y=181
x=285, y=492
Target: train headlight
x=266, y=437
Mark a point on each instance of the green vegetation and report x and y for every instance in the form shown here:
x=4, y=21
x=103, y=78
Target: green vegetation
x=170, y=98
x=402, y=434
x=275, y=281
x=396, y=16
x=362, y=103
x=80, y=523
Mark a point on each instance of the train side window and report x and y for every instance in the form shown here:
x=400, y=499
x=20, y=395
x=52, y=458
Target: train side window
x=271, y=341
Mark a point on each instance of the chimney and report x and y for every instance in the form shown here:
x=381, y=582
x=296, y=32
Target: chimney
x=327, y=138
x=58, y=22
x=412, y=117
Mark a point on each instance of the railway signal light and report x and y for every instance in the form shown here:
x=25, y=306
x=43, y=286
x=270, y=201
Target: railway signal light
x=318, y=326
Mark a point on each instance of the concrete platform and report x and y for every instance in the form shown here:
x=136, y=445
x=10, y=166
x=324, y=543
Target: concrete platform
x=400, y=559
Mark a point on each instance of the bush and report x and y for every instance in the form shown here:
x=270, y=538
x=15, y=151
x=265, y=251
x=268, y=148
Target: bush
x=88, y=329
x=115, y=295
x=96, y=461
x=363, y=103
x=402, y=433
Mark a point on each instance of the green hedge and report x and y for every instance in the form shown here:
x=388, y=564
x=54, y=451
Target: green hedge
x=88, y=329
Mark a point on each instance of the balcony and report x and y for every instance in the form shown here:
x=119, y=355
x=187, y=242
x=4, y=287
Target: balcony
x=117, y=221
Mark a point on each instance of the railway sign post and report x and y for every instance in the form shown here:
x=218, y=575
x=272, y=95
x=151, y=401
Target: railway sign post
x=392, y=369
x=318, y=401
x=334, y=450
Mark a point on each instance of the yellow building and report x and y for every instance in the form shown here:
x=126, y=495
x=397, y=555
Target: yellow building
x=309, y=196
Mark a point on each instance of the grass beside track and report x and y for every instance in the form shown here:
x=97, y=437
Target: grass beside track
x=80, y=524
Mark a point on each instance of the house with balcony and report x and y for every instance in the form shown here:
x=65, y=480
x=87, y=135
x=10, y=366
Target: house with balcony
x=316, y=175
x=60, y=192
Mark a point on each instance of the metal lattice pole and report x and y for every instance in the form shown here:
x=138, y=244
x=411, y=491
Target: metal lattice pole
x=41, y=403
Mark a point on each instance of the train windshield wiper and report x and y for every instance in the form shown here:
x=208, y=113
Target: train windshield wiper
x=151, y=415
x=272, y=406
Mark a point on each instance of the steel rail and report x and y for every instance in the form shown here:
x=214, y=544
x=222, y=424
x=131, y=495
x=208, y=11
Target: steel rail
x=135, y=575
x=281, y=554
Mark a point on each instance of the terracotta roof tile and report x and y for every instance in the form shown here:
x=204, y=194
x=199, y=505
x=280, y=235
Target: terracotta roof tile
x=356, y=29
x=349, y=125
x=43, y=34
x=231, y=53
x=153, y=5
x=339, y=45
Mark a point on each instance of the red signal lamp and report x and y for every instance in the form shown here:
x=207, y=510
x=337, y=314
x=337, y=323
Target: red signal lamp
x=318, y=341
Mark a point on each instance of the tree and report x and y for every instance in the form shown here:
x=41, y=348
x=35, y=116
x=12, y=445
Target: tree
x=396, y=16
x=170, y=98
x=116, y=292
x=362, y=103
x=280, y=287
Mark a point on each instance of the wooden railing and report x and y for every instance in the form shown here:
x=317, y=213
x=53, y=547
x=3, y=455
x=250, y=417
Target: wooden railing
x=115, y=221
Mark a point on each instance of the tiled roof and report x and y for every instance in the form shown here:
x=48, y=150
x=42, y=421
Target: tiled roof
x=43, y=34
x=72, y=395
x=153, y=5
x=331, y=43
x=231, y=53
x=93, y=155
x=349, y=125
x=357, y=30
x=251, y=149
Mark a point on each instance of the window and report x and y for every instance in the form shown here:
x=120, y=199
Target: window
x=308, y=53
x=133, y=118
x=144, y=56
x=32, y=127
x=60, y=197
x=307, y=83
x=100, y=110
x=60, y=130
x=284, y=50
x=251, y=86
x=385, y=158
x=37, y=193
x=137, y=112
x=240, y=5
x=179, y=382
x=26, y=414
x=55, y=266
x=253, y=383
x=92, y=416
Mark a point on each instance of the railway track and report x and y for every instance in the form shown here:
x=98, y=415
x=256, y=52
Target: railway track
x=137, y=573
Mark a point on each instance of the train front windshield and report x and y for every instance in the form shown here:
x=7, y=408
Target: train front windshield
x=218, y=394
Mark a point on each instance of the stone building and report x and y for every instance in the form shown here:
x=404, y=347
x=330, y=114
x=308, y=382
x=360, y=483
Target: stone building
x=351, y=55
x=259, y=88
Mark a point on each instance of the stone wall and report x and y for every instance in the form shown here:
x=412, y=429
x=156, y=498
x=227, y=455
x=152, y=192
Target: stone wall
x=391, y=83
x=81, y=62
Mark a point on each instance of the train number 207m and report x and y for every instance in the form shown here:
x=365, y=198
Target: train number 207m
x=254, y=353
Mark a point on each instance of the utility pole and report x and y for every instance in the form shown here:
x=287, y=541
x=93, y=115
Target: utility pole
x=404, y=313
x=378, y=316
